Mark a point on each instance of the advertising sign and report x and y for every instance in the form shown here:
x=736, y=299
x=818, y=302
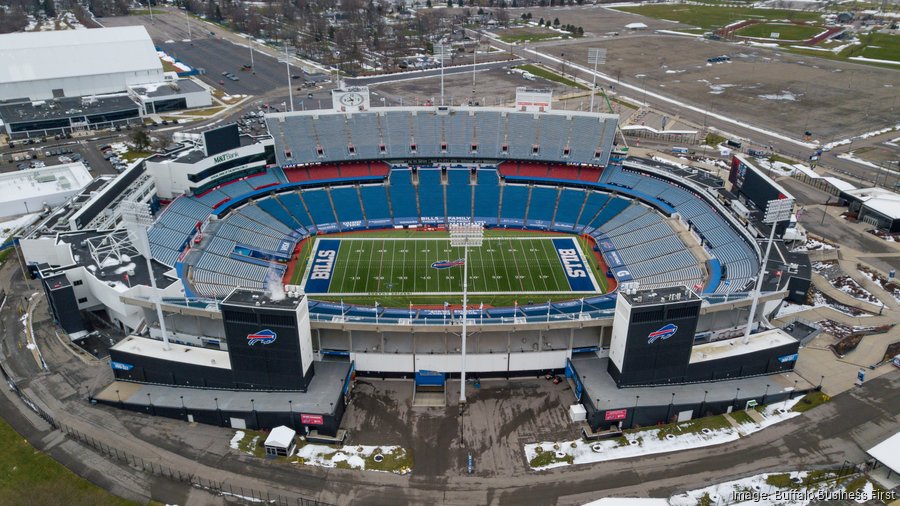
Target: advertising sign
x=615, y=414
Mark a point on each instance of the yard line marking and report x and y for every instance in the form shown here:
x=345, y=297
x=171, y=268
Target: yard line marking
x=516, y=260
x=551, y=262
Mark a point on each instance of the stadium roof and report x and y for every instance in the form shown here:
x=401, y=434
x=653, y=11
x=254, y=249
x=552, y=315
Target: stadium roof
x=33, y=56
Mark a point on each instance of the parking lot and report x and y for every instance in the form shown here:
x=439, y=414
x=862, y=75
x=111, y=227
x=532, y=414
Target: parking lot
x=52, y=151
x=783, y=92
x=496, y=86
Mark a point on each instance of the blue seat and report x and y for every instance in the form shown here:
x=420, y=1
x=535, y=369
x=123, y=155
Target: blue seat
x=459, y=194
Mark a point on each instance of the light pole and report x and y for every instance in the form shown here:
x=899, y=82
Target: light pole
x=777, y=210
x=137, y=219
x=465, y=235
x=251, y=53
x=596, y=55
x=442, y=51
x=287, y=66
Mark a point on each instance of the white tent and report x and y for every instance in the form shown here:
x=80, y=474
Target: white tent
x=636, y=26
x=887, y=452
x=280, y=441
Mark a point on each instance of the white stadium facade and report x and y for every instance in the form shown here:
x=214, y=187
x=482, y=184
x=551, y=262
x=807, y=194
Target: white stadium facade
x=207, y=321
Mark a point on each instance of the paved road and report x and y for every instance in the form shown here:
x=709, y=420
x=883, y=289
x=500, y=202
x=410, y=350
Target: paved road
x=422, y=74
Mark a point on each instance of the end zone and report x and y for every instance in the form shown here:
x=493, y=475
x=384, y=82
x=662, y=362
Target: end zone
x=321, y=264
x=575, y=267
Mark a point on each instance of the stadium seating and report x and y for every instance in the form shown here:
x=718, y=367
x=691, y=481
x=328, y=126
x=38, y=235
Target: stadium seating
x=487, y=196
x=326, y=136
x=403, y=197
x=375, y=204
x=347, y=204
x=320, y=208
x=514, y=202
x=570, y=205
x=649, y=248
x=541, y=206
x=722, y=241
x=459, y=194
x=431, y=196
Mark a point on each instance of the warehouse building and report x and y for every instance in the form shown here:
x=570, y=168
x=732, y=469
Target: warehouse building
x=74, y=63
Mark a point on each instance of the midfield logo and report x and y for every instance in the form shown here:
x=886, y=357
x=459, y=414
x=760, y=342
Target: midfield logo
x=446, y=264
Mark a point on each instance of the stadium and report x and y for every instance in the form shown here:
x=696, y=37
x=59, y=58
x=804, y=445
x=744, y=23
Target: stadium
x=337, y=229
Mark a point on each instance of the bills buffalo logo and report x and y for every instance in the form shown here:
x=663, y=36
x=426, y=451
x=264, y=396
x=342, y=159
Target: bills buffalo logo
x=664, y=332
x=261, y=337
x=446, y=264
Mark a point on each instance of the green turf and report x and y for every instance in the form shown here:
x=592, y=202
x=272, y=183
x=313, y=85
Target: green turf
x=511, y=265
x=551, y=76
x=880, y=46
x=31, y=477
x=786, y=31
x=711, y=16
x=529, y=35
x=877, y=46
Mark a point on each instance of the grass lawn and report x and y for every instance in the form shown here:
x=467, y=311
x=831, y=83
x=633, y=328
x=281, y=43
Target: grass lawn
x=880, y=46
x=28, y=477
x=169, y=67
x=714, y=139
x=551, y=76
x=134, y=155
x=547, y=456
x=711, y=16
x=253, y=443
x=530, y=34
x=810, y=401
x=741, y=417
x=786, y=31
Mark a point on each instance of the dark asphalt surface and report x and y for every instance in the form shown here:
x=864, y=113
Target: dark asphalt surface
x=217, y=56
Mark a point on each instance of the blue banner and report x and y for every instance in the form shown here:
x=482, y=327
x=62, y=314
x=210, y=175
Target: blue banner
x=324, y=258
x=574, y=266
x=788, y=358
x=622, y=273
x=429, y=378
x=121, y=366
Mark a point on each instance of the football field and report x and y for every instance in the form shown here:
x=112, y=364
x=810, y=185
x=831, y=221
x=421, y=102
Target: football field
x=430, y=266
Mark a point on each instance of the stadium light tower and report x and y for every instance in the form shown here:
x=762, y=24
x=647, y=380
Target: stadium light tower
x=777, y=210
x=596, y=55
x=137, y=219
x=442, y=52
x=287, y=65
x=465, y=235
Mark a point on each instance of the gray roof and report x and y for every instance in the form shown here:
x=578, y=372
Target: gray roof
x=33, y=56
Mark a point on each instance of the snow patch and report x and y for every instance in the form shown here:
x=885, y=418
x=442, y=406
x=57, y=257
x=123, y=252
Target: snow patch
x=238, y=436
x=648, y=442
x=784, y=95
